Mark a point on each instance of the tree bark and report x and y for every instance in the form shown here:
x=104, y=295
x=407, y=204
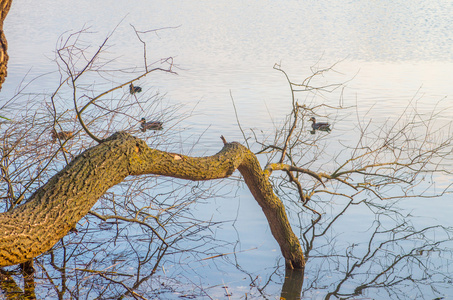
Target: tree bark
x=34, y=227
x=4, y=9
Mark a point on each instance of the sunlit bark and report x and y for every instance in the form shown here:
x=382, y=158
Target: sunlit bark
x=33, y=228
x=4, y=9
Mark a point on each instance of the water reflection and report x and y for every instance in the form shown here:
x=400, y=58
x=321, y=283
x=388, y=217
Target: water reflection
x=376, y=251
x=398, y=262
x=145, y=240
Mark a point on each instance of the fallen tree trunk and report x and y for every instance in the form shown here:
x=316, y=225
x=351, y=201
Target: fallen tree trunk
x=34, y=227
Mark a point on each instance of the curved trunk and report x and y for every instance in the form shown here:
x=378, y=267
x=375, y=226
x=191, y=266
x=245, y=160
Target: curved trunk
x=34, y=227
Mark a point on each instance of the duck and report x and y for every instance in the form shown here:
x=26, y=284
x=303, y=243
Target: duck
x=134, y=89
x=152, y=125
x=324, y=126
x=62, y=135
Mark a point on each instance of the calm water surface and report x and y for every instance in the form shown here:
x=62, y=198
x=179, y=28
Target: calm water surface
x=392, y=53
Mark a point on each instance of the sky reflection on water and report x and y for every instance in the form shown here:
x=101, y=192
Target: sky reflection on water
x=393, y=53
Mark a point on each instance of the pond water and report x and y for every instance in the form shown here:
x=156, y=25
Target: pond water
x=393, y=56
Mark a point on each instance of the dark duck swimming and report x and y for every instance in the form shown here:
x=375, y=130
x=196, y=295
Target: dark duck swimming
x=152, y=125
x=324, y=126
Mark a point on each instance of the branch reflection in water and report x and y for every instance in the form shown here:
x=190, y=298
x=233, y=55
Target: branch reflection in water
x=400, y=262
x=144, y=238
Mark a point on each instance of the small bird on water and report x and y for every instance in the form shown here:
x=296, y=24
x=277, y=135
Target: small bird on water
x=152, y=125
x=134, y=89
x=323, y=126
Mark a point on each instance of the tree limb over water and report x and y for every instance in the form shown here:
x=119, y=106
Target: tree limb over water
x=33, y=228
x=374, y=167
